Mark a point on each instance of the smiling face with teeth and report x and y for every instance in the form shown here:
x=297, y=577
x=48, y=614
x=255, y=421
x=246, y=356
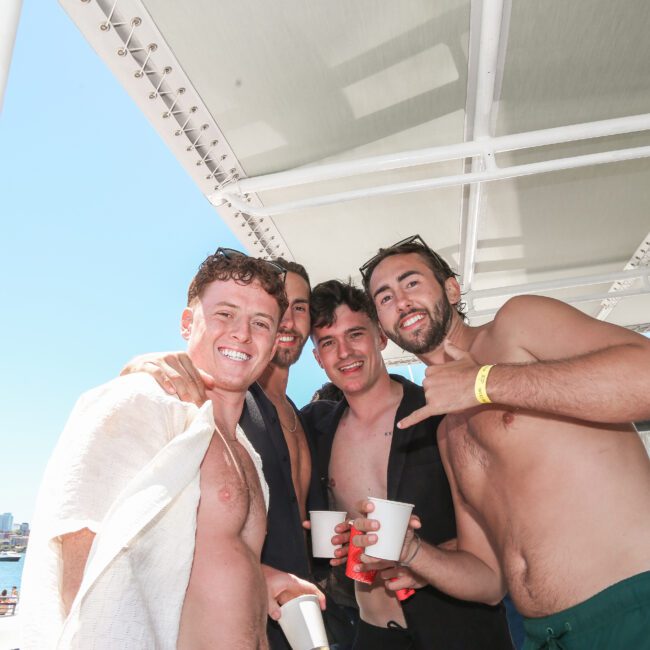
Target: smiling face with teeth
x=414, y=308
x=295, y=322
x=349, y=350
x=231, y=332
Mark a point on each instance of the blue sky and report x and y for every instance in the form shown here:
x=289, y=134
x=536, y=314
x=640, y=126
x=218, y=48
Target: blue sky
x=101, y=232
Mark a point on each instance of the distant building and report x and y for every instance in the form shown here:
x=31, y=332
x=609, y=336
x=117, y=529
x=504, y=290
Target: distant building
x=24, y=528
x=6, y=522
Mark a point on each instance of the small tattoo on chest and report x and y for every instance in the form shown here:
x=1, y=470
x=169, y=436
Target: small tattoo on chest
x=388, y=433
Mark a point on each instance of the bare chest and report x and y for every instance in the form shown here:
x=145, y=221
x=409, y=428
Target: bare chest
x=478, y=442
x=300, y=463
x=231, y=495
x=359, y=462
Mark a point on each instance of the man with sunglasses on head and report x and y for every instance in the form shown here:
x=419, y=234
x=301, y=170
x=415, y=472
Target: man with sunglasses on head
x=360, y=453
x=152, y=513
x=550, y=481
x=275, y=429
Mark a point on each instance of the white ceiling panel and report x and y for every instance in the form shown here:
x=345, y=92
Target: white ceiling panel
x=357, y=119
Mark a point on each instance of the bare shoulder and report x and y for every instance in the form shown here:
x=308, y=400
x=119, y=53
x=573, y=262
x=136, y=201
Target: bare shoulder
x=525, y=309
x=548, y=328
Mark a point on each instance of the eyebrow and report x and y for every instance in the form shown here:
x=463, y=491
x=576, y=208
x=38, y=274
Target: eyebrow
x=351, y=330
x=263, y=314
x=223, y=303
x=384, y=287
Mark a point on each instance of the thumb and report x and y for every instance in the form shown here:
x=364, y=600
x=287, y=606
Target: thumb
x=417, y=416
x=415, y=523
x=208, y=380
x=454, y=351
x=274, y=608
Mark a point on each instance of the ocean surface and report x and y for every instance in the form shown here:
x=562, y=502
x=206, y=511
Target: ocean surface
x=11, y=573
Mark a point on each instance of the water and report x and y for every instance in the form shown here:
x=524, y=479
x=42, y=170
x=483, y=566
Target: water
x=11, y=573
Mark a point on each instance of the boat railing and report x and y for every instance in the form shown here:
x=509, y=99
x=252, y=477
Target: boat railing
x=8, y=607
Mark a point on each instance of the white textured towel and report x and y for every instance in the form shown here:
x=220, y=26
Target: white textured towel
x=127, y=468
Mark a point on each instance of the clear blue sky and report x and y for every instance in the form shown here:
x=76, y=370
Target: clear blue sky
x=101, y=232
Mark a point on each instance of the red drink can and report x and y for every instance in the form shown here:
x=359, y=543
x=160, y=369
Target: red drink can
x=403, y=594
x=354, y=553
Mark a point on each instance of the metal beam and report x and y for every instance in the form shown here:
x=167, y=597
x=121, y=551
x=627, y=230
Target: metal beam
x=481, y=88
x=565, y=283
x=486, y=148
x=640, y=258
x=587, y=297
x=498, y=173
x=9, y=18
x=413, y=158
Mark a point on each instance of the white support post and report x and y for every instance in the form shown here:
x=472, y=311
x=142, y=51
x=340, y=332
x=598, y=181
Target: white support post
x=9, y=17
x=488, y=60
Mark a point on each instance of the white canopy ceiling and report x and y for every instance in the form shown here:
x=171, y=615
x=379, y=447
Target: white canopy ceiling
x=514, y=137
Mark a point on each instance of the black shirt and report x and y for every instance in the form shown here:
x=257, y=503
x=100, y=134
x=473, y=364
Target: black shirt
x=416, y=475
x=284, y=547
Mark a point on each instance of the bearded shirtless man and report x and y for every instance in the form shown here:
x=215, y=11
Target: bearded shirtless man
x=550, y=481
x=171, y=498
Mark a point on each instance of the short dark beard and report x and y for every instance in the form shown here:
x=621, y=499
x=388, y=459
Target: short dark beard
x=430, y=337
x=284, y=358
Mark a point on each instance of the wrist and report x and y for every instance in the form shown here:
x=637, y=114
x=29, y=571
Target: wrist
x=413, y=550
x=480, y=384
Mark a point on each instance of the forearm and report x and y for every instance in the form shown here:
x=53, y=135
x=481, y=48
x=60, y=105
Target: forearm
x=609, y=385
x=459, y=574
x=75, y=548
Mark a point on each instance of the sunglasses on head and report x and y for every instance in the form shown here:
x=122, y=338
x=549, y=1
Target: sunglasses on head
x=413, y=239
x=229, y=253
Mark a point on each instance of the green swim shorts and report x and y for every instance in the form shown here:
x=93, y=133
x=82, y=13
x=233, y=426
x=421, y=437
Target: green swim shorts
x=617, y=618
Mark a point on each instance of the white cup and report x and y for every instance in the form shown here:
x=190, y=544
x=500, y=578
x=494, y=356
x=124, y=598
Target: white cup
x=323, y=523
x=302, y=623
x=393, y=518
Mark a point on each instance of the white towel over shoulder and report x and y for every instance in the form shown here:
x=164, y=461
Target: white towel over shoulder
x=127, y=468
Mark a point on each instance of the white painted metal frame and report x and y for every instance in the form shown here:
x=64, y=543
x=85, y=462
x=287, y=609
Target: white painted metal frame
x=489, y=27
x=486, y=148
x=487, y=46
x=9, y=18
x=126, y=38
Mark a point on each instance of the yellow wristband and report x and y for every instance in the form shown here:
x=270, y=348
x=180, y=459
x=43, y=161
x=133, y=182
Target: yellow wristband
x=480, y=385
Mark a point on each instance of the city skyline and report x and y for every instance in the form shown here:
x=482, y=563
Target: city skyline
x=6, y=522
